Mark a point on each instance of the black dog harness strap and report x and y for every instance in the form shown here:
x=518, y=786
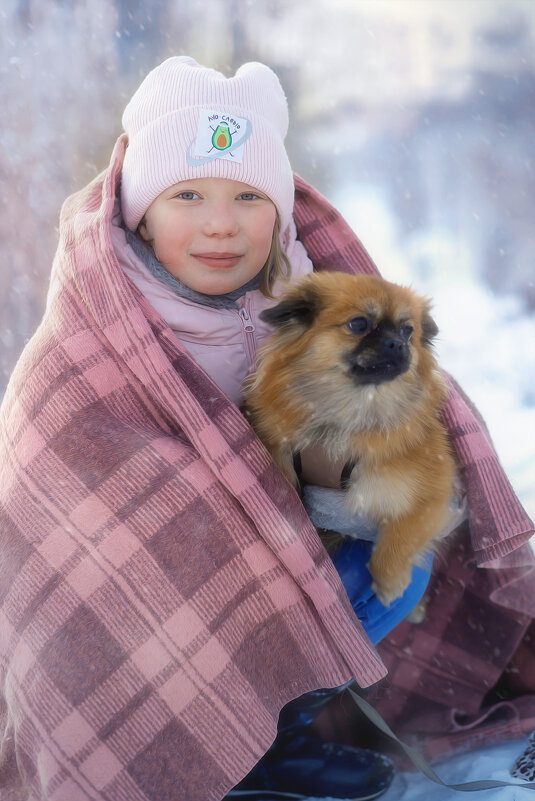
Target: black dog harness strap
x=298, y=465
x=346, y=473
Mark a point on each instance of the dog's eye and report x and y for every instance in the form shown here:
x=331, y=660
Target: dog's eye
x=406, y=331
x=358, y=325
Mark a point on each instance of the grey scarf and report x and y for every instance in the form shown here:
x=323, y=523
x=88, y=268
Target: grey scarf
x=227, y=301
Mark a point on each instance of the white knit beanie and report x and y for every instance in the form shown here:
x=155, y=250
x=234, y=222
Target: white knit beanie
x=187, y=121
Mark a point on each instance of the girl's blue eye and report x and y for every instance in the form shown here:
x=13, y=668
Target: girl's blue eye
x=249, y=196
x=187, y=195
x=359, y=325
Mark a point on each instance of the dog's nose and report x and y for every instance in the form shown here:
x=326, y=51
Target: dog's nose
x=393, y=347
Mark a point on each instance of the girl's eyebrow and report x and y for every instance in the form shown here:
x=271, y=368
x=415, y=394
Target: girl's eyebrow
x=181, y=188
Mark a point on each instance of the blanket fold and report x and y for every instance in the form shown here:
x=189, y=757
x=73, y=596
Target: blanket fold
x=163, y=593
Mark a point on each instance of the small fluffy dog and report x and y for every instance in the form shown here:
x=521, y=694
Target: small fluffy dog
x=350, y=365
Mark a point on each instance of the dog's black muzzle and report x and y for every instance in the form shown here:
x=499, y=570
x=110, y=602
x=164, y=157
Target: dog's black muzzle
x=384, y=360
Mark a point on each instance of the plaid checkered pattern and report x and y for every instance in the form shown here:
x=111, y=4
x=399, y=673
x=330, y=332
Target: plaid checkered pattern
x=162, y=591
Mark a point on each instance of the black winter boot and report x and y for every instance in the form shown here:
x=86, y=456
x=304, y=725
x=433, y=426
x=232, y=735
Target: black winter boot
x=299, y=765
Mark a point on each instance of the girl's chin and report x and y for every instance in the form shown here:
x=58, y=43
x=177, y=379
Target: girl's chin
x=220, y=282
x=217, y=286
x=216, y=281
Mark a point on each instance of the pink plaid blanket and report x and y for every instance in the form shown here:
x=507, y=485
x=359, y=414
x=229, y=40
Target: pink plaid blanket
x=162, y=592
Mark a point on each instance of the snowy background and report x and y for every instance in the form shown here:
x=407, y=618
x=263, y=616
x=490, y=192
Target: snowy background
x=416, y=118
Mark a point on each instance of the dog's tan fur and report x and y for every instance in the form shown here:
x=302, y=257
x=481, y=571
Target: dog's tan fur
x=303, y=392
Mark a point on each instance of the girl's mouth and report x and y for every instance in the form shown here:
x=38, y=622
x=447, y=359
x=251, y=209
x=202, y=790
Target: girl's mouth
x=218, y=260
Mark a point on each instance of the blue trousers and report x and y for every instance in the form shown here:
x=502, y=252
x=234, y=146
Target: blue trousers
x=350, y=560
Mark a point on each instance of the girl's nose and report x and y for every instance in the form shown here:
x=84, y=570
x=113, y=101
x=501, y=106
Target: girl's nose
x=220, y=220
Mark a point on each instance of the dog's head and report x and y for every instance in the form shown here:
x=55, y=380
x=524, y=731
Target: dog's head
x=373, y=330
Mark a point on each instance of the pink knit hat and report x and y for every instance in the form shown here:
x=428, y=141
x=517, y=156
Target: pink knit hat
x=187, y=121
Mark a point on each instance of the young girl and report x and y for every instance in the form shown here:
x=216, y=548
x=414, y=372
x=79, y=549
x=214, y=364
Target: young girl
x=207, y=199
x=165, y=594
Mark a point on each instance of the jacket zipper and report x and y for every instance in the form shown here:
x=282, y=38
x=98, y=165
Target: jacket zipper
x=248, y=331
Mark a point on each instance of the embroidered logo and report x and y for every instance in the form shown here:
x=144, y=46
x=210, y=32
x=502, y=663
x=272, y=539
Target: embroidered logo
x=219, y=136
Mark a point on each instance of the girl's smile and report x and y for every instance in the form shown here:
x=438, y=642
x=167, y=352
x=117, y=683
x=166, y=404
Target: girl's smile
x=221, y=260
x=213, y=234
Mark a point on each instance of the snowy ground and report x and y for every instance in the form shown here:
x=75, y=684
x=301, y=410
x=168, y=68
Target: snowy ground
x=490, y=763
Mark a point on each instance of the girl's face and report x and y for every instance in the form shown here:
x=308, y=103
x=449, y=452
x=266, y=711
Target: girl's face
x=213, y=234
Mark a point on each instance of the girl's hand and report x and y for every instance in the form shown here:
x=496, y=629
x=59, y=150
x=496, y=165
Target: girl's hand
x=320, y=469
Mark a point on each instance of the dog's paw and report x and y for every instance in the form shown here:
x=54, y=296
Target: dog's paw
x=388, y=589
x=418, y=614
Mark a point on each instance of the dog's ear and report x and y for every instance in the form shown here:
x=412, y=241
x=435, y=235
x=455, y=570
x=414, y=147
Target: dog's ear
x=429, y=327
x=299, y=307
